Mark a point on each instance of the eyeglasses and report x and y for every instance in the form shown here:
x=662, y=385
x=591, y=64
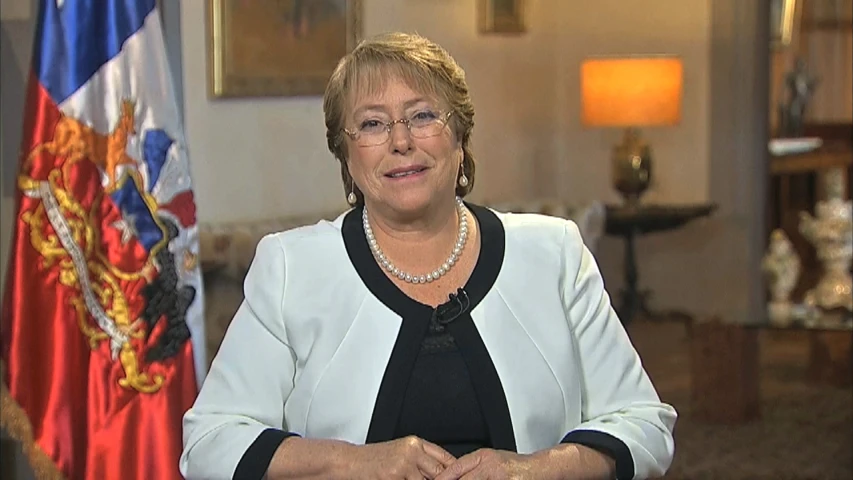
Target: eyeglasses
x=421, y=124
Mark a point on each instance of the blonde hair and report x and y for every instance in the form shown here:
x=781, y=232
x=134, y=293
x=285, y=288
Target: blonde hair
x=423, y=65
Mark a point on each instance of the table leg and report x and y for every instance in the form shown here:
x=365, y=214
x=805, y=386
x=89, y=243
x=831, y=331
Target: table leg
x=631, y=301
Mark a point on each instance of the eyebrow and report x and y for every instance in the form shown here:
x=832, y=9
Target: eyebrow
x=384, y=108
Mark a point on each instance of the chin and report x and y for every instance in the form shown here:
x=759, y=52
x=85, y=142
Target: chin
x=411, y=200
x=410, y=203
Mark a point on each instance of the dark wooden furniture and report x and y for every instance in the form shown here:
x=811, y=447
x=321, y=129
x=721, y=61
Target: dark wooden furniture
x=795, y=186
x=725, y=365
x=831, y=358
x=628, y=221
x=7, y=458
x=724, y=373
x=834, y=156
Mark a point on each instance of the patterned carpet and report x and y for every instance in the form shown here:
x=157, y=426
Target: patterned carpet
x=805, y=430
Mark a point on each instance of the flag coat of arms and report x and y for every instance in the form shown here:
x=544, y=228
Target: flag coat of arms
x=102, y=333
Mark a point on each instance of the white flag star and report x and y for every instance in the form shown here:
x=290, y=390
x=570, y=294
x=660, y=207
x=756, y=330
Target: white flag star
x=127, y=226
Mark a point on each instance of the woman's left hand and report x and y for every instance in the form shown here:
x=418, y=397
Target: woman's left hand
x=490, y=464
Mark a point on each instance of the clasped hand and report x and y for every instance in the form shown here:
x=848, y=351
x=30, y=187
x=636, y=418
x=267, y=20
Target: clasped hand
x=415, y=458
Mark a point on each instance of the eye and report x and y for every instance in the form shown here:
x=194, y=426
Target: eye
x=371, y=126
x=423, y=117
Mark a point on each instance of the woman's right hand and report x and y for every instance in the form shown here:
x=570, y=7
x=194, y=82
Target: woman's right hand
x=407, y=458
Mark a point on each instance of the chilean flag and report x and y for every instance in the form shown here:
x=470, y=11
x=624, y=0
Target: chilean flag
x=102, y=322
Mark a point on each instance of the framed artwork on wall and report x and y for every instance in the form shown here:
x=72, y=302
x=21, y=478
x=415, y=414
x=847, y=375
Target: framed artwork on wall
x=783, y=19
x=501, y=16
x=282, y=48
x=15, y=10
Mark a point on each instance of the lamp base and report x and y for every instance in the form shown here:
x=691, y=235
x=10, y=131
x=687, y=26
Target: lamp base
x=631, y=166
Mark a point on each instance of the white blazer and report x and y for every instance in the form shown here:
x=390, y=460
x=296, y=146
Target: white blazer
x=324, y=342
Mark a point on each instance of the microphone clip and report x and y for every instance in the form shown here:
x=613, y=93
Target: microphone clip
x=449, y=311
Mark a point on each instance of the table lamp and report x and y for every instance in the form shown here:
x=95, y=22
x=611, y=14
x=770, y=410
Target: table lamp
x=631, y=92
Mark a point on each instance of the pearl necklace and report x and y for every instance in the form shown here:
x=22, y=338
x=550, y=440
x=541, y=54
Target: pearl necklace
x=461, y=238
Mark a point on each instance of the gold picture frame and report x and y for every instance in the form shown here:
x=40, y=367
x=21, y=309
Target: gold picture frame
x=284, y=48
x=784, y=15
x=501, y=16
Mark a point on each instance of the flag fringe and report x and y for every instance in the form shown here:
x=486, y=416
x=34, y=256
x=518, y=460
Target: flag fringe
x=14, y=420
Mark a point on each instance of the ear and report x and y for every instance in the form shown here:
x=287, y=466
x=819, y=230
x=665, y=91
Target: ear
x=346, y=165
x=458, y=139
x=347, y=156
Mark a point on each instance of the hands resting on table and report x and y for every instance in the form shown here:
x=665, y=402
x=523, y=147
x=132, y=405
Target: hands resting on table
x=412, y=458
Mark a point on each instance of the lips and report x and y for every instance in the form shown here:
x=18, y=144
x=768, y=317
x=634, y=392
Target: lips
x=405, y=171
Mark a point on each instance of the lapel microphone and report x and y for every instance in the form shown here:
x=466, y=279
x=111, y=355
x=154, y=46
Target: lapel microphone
x=452, y=309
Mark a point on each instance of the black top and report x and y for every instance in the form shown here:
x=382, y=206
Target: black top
x=440, y=404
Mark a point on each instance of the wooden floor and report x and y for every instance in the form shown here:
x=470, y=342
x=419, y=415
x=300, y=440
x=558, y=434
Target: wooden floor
x=805, y=430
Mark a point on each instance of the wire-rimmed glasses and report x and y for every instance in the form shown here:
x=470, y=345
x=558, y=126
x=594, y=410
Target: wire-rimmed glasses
x=421, y=124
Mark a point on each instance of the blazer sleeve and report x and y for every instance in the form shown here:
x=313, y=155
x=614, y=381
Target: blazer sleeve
x=622, y=414
x=237, y=421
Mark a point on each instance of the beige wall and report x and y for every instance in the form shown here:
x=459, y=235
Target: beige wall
x=16, y=34
x=265, y=157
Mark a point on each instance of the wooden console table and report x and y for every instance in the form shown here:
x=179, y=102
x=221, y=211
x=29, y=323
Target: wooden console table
x=630, y=221
x=795, y=186
x=818, y=160
x=784, y=170
x=725, y=366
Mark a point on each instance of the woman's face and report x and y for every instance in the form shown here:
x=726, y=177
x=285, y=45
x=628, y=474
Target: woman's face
x=404, y=174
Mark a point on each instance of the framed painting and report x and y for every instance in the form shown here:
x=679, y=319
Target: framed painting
x=501, y=16
x=285, y=48
x=783, y=19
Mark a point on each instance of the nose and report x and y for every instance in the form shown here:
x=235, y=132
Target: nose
x=401, y=137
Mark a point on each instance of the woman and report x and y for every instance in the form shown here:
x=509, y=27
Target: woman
x=418, y=336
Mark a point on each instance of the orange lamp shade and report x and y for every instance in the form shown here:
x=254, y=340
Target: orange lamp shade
x=631, y=91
